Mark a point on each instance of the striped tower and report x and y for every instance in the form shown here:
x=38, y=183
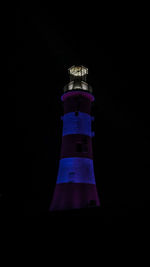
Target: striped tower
x=75, y=185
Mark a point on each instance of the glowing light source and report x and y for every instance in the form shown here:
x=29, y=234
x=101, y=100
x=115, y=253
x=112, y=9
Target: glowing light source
x=78, y=71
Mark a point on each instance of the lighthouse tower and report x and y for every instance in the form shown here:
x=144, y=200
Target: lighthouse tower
x=75, y=185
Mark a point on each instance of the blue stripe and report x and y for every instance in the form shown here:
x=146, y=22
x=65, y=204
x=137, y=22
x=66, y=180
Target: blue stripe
x=80, y=124
x=76, y=170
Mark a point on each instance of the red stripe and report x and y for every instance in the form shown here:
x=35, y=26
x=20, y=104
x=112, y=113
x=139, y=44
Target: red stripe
x=74, y=196
x=77, y=103
x=71, y=145
x=78, y=92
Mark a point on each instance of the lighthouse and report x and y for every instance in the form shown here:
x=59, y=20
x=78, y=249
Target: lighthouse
x=76, y=185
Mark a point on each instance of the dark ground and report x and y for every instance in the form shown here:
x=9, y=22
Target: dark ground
x=43, y=43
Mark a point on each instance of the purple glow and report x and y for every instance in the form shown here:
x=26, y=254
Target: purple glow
x=74, y=196
x=68, y=94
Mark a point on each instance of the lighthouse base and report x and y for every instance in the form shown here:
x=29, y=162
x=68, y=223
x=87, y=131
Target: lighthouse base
x=74, y=196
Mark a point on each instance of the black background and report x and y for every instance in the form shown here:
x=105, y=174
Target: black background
x=43, y=42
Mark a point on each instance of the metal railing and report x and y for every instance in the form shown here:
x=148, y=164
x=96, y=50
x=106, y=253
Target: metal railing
x=78, y=85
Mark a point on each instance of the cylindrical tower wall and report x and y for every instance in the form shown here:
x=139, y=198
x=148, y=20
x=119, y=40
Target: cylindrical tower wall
x=75, y=185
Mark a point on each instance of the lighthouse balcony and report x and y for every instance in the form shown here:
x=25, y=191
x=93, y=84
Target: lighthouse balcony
x=78, y=85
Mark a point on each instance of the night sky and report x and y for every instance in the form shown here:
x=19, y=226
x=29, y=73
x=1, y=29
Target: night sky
x=44, y=43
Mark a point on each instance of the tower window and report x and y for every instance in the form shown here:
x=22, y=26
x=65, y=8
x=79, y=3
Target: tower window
x=84, y=148
x=71, y=174
x=79, y=147
x=92, y=203
x=84, y=140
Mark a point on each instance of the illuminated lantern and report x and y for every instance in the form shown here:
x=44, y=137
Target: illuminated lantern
x=75, y=186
